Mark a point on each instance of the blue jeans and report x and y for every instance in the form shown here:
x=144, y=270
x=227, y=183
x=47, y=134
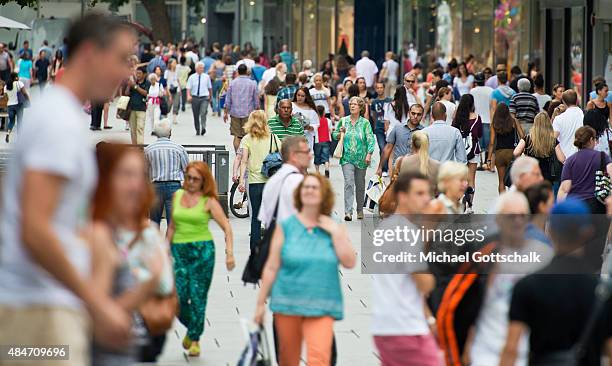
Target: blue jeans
x=381, y=138
x=15, y=113
x=486, y=138
x=216, y=88
x=255, y=194
x=164, y=192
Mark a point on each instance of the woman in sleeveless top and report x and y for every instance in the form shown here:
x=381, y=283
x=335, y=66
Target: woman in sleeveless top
x=129, y=253
x=193, y=248
x=305, y=252
x=469, y=123
x=600, y=103
x=505, y=135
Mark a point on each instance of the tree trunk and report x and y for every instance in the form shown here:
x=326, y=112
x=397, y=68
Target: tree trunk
x=160, y=20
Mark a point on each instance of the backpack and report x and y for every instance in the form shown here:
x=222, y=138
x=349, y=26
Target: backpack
x=273, y=161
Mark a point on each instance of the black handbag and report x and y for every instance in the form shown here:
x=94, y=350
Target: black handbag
x=163, y=106
x=259, y=255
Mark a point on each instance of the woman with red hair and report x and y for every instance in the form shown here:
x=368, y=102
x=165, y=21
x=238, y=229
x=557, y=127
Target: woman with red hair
x=129, y=252
x=193, y=248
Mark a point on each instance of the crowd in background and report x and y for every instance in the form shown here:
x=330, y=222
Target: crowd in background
x=88, y=216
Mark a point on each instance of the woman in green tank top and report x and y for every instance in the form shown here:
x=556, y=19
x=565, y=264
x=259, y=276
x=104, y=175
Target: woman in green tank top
x=193, y=248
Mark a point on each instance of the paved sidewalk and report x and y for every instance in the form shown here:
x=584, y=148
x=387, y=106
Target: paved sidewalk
x=229, y=300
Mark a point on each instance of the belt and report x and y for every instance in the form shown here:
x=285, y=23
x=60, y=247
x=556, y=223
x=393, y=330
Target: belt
x=198, y=96
x=167, y=181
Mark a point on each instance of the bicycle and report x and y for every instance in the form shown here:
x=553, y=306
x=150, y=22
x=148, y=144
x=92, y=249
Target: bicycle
x=239, y=205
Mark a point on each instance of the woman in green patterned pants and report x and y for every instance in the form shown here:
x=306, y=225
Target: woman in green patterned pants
x=193, y=248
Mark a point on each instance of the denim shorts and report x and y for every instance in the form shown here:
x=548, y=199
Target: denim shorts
x=321, y=153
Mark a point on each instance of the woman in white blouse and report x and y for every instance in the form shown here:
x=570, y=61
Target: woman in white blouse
x=464, y=80
x=304, y=109
x=156, y=91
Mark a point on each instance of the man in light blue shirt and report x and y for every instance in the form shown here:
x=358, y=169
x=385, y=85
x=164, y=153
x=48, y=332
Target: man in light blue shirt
x=156, y=61
x=445, y=142
x=199, y=90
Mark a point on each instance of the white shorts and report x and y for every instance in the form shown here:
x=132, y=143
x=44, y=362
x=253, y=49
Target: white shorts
x=475, y=159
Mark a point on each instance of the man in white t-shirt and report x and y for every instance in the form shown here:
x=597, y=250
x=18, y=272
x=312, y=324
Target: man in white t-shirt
x=46, y=290
x=269, y=74
x=566, y=124
x=367, y=68
x=401, y=322
x=483, y=105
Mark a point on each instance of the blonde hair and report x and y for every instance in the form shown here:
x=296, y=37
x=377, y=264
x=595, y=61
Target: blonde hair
x=542, y=136
x=257, y=124
x=448, y=170
x=420, y=141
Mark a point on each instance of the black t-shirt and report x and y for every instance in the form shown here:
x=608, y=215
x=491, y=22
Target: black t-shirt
x=138, y=102
x=555, y=303
x=543, y=161
x=506, y=141
x=42, y=69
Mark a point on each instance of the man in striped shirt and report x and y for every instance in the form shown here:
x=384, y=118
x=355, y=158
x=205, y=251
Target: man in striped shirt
x=284, y=124
x=167, y=161
x=523, y=105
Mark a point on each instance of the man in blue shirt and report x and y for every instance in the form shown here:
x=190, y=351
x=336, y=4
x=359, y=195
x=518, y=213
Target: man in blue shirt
x=503, y=92
x=208, y=61
x=257, y=70
x=156, y=61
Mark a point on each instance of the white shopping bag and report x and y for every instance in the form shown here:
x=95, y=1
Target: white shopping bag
x=374, y=191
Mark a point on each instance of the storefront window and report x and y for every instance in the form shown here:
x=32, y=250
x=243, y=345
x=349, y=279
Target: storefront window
x=346, y=24
x=310, y=30
x=477, y=32
x=576, y=48
x=251, y=27
x=327, y=27
x=508, y=29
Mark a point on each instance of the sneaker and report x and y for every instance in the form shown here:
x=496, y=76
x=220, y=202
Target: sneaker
x=359, y=215
x=194, y=350
x=186, y=342
x=385, y=174
x=348, y=217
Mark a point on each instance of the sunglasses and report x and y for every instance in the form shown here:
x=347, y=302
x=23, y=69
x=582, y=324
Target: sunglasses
x=409, y=81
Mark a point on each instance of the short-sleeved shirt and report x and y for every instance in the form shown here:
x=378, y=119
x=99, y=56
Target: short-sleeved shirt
x=138, y=102
x=542, y=100
x=580, y=168
x=502, y=94
x=42, y=69
x=295, y=128
x=287, y=58
x=42, y=146
x=566, y=125
x=258, y=149
x=25, y=68
x=392, y=67
x=525, y=106
x=401, y=138
x=199, y=85
x=541, y=301
x=378, y=109
x=319, y=97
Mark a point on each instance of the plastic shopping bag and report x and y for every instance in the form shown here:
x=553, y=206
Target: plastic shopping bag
x=374, y=191
x=257, y=349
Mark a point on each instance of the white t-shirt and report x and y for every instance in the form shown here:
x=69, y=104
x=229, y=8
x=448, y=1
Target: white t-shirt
x=482, y=102
x=463, y=87
x=389, y=115
x=247, y=61
x=566, y=124
x=367, y=68
x=42, y=145
x=268, y=75
x=12, y=94
x=397, y=304
x=171, y=78
x=313, y=117
x=320, y=97
x=392, y=67
x=542, y=99
x=154, y=92
x=450, y=110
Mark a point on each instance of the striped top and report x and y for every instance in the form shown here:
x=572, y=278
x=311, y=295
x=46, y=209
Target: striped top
x=525, y=106
x=278, y=128
x=167, y=160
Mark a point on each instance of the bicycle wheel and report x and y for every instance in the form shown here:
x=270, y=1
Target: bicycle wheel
x=238, y=204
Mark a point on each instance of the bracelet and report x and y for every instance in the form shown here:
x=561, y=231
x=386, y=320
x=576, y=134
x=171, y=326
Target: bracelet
x=228, y=252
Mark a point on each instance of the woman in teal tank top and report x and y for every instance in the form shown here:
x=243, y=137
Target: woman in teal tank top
x=301, y=274
x=193, y=248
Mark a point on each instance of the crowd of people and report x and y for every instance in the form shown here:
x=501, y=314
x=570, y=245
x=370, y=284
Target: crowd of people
x=80, y=234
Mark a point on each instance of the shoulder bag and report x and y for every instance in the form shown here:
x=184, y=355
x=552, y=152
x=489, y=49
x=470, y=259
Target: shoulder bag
x=259, y=255
x=340, y=147
x=273, y=161
x=603, y=187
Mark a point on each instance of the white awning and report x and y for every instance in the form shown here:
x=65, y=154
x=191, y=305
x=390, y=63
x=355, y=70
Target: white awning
x=11, y=24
